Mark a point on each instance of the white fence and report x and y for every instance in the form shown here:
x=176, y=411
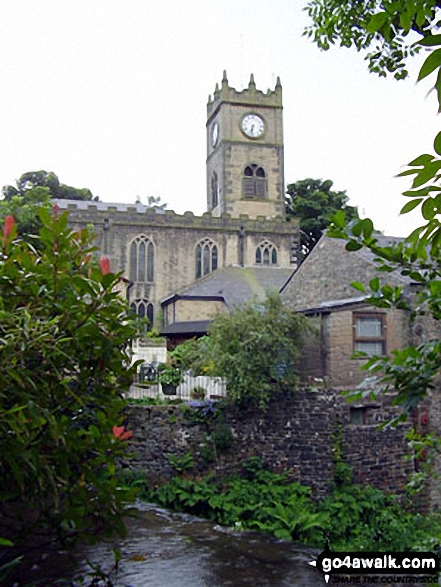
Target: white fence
x=214, y=387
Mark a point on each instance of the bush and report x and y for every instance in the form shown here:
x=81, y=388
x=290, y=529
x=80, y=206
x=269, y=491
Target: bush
x=64, y=363
x=256, y=348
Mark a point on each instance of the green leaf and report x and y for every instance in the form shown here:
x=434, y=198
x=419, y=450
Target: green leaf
x=357, y=229
x=410, y=205
x=428, y=209
x=428, y=172
x=368, y=228
x=430, y=41
x=374, y=284
x=353, y=246
x=432, y=62
x=405, y=21
x=438, y=89
x=421, y=192
x=376, y=22
x=437, y=143
x=359, y=286
x=407, y=172
x=421, y=160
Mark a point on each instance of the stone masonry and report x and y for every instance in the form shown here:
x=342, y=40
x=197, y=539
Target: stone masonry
x=297, y=433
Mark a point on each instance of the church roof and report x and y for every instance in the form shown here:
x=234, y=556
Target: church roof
x=236, y=285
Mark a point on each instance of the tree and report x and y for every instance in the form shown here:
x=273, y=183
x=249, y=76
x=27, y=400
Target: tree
x=386, y=27
x=313, y=202
x=33, y=190
x=48, y=180
x=24, y=208
x=385, y=24
x=64, y=363
x=256, y=348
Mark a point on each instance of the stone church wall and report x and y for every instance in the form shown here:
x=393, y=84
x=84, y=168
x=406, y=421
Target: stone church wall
x=299, y=432
x=175, y=238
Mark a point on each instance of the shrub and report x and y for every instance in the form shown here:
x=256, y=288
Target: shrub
x=64, y=363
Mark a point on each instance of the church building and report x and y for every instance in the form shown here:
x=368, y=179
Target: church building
x=180, y=270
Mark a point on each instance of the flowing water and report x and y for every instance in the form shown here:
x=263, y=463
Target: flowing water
x=166, y=549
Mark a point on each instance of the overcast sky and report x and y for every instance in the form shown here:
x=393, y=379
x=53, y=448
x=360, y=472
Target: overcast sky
x=111, y=95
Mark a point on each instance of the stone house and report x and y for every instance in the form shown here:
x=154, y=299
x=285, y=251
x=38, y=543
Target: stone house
x=321, y=289
x=346, y=323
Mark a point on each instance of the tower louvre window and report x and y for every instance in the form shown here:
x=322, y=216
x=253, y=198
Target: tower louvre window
x=142, y=260
x=206, y=257
x=266, y=254
x=254, y=182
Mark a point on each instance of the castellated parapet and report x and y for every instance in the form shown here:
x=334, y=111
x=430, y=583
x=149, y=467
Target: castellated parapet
x=250, y=96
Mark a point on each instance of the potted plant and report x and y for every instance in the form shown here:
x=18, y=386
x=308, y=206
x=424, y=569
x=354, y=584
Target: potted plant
x=169, y=376
x=198, y=393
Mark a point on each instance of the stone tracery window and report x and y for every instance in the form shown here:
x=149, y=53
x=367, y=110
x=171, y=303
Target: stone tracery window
x=144, y=309
x=266, y=254
x=142, y=259
x=206, y=257
x=254, y=182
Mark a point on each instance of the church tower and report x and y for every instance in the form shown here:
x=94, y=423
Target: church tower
x=245, y=151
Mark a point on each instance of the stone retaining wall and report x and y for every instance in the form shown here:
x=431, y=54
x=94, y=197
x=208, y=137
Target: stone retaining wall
x=298, y=432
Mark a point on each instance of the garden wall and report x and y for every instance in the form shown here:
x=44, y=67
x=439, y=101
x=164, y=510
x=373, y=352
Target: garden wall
x=299, y=431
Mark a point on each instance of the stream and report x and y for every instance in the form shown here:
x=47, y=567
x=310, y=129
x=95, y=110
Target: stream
x=167, y=549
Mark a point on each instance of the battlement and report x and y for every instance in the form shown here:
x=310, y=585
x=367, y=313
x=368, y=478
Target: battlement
x=250, y=96
x=102, y=213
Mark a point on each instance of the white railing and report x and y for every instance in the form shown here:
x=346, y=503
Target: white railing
x=214, y=387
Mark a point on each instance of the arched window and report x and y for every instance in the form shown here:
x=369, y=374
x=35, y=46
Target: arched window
x=254, y=182
x=142, y=259
x=266, y=254
x=206, y=257
x=143, y=309
x=214, y=190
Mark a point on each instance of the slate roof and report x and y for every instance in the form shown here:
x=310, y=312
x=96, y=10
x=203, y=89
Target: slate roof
x=236, y=285
x=191, y=327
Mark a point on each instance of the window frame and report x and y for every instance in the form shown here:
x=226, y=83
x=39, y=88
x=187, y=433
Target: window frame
x=266, y=254
x=206, y=257
x=254, y=182
x=360, y=339
x=143, y=308
x=141, y=259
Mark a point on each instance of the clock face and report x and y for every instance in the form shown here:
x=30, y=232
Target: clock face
x=253, y=126
x=214, y=134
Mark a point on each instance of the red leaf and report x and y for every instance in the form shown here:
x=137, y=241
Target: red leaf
x=104, y=265
x=8, y=226
x=117, y=431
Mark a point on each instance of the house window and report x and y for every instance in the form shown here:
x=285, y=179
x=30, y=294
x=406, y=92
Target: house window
x=142, y=259
x=206, y=258
x=143, y=309
x=370, y=334
x=266, y=254
x=358, y=415
x=214, y=190
x=254, y=182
